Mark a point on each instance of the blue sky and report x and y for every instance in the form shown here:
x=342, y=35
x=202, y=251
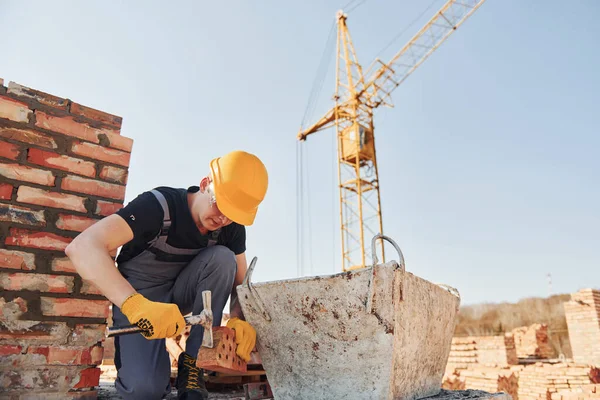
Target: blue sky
x=488, y=163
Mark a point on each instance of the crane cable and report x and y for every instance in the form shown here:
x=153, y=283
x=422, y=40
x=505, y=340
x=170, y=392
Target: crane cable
x=301, y=165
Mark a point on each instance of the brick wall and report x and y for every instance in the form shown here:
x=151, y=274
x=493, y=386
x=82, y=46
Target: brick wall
x=583, y=320
x=63, y=166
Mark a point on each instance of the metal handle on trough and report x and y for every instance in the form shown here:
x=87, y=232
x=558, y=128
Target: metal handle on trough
x=375, y=261
x=255, y=297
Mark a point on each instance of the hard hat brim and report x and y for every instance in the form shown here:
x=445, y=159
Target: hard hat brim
x=226, y=206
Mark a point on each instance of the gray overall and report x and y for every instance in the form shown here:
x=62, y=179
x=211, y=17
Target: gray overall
x=167, y=274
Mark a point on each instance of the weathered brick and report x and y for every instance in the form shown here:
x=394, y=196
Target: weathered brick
x=41, y=97
x=9, y=349
x=34, y=332
x=36, y=282
x=93, y=187
x=67, y=126
x=63, y=264
x=88, y=378
x=11, y=311
x=21, y=215
x=9, y=150
x=76, y=223
x=62, y=162
x=114, y=174
x=63, y=355
x=28, y=136
x=68, y=307
x=37, y=240
x=15, y=259
x=106, y=208
x=53, y=378
x=96, y=115
x=101, y=153
x=26, y=174
x=14, y=110
x=26, y=194
x=87, y=334
x=5, y=191
x=89, y=288
x=71, y=395
x=117, y=141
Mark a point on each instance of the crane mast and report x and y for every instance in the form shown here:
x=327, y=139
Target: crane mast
x=352, y=115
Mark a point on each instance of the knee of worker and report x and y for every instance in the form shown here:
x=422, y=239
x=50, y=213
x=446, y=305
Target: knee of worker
x=144, y=388
x=223, y=262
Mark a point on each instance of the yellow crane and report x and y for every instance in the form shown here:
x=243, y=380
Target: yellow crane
x=357, y=94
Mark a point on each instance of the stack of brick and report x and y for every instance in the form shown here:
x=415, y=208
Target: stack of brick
x=486, y=350
x=532, y=342
x=583, y=320
x=63, y=166
x=542, y=380
x=584, y=392
x=491, y=379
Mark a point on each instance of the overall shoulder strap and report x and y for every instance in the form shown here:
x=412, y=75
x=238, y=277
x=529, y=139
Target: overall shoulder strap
x=166, y=215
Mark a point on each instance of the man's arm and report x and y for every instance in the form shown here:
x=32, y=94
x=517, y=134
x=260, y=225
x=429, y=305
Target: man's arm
x=90, y=254
x=235, y=309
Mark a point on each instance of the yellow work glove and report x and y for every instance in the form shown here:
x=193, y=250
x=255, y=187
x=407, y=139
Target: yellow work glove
x=158, y=320
x=245, y=337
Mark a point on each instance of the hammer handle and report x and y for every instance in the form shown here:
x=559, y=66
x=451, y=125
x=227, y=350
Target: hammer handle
x=129, y=329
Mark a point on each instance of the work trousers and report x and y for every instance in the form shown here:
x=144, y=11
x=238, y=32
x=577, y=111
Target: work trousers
x=143, y=365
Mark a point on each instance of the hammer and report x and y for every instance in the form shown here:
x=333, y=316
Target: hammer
x=205, y=318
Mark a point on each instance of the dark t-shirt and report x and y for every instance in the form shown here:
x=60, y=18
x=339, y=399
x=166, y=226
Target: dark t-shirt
x=145, y=217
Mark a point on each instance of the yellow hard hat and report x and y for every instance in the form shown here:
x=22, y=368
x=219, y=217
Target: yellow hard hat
x=240, y=182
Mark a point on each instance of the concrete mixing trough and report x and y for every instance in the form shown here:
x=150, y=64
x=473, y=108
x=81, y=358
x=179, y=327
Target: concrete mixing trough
x=371, y=333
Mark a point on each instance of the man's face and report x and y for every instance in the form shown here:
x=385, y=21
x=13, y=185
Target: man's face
x=208, y=210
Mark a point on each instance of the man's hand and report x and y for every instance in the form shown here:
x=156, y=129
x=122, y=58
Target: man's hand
x=158, y=320
x=245, y=337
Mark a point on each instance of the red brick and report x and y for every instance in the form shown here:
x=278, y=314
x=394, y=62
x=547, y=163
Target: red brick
x=14, y=110
x=9, y=150
x=222, y=357
x=62, y=162
x=96, y=115
x=36, y=282
x=61, y=355
x=106, y=208
x=15, y=259
x=89, y=288
x=41, y=97
x=101, y=153
x=11, y=312
x=93, y=187
x=26, y=174
x=28, y=136
x=26, y=194
x=63, y=264
x=74, y=222
x=37, y=240
x=21, y=215
x=67, y=126
x=68, y=307
x=87, y=334
x=6, y=350
x=117, y=141
x=89, y=377
x=114, y=174
x=5, y=191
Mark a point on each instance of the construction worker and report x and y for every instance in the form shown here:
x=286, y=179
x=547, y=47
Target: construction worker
x=176, y=243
